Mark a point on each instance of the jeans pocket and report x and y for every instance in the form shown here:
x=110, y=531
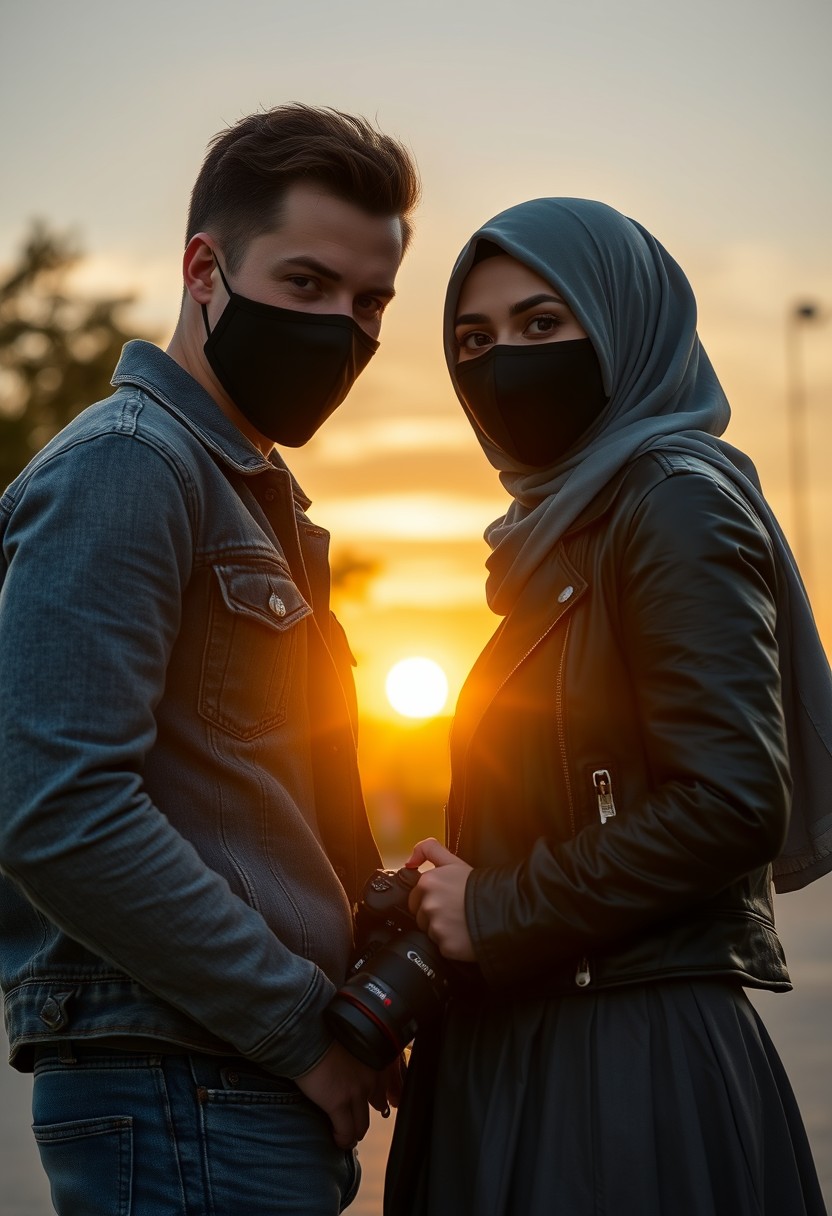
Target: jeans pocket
x=272, y=1152
x=250, y=646
x=89, y=1163
x=242, y=1085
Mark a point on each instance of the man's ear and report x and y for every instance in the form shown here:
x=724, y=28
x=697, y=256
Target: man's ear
x=198, y=265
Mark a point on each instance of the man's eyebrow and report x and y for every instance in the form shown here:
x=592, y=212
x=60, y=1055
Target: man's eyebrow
x=308, y=263
x=387, y=292
x=304, y=262
x=532, y=302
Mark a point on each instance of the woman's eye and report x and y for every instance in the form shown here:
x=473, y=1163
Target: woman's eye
x=543, y=325
x=474, y=341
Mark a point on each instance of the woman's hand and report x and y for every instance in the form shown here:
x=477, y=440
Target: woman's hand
x=393, y=1084
x=438, y=899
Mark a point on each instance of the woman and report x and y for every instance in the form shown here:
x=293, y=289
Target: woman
x=646, y=732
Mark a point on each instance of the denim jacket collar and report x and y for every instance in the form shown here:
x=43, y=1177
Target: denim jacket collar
x=147, y=367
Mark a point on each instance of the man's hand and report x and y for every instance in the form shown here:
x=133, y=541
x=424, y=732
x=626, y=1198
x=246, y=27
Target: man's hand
x=343, y=1087
x=438, y=899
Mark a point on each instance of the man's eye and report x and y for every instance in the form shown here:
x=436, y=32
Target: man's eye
x=370, y=304
x=303, y=282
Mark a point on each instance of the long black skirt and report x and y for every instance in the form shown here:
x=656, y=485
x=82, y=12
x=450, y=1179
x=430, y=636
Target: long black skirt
x=663, y=1100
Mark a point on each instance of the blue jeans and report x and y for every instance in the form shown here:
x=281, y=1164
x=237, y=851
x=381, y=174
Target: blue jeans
x=129, y=1134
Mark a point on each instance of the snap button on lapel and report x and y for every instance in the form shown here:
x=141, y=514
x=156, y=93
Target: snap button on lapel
x=276, y=604
x=566, y=594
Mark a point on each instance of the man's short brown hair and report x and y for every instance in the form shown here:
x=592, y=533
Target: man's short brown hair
x=249, y=166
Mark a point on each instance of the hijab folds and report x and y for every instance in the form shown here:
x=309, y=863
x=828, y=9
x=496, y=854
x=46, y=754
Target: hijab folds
x=639, y=312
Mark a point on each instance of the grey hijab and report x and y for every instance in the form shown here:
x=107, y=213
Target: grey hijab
x=638, y=309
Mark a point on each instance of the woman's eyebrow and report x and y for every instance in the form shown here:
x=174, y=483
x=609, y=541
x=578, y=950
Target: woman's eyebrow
x=481, y=318
x=472, y=318
x=532, y=302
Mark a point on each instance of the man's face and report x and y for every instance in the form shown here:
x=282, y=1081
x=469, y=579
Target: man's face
x=325, y=256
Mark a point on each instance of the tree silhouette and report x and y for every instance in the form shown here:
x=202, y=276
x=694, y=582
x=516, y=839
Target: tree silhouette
x=57, y=349
x=351, y=574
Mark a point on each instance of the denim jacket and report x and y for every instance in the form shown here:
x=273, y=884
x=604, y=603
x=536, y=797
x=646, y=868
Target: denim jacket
x=182, y=831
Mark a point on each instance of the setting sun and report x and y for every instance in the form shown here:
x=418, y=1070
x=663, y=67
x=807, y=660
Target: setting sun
x=417, y=688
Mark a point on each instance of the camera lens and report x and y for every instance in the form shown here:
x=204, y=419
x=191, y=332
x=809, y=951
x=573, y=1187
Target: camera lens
x=380, y=1008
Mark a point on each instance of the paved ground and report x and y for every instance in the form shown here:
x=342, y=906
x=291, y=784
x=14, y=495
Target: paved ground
x=799, y=1023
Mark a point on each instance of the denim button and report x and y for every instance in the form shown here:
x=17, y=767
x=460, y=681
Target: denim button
x=276, y=604
x=233, y=1078
x=566, y=594
x=53, y=1014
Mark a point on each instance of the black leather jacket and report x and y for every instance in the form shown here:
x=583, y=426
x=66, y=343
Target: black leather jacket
x=620, y=778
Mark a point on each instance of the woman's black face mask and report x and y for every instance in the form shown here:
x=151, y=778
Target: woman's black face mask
x=534, y=402
x=285, y=370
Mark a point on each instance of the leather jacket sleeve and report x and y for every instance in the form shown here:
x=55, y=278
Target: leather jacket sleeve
x=693, y=608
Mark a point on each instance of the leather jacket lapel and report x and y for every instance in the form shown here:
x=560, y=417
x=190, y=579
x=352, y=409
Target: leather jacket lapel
x=549, y=596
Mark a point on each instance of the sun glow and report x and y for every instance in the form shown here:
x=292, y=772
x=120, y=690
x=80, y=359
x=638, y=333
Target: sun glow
x=417, y=687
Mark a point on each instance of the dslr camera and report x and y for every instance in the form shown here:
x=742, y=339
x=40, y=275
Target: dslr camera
x=399, y=980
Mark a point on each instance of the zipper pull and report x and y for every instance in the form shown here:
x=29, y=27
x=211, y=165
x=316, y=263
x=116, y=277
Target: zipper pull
x=603, y=792
x=582, y=976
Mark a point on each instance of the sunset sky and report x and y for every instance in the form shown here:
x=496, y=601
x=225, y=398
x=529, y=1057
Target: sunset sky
x=708, y=123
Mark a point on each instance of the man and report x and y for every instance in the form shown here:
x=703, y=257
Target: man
x=182, y=832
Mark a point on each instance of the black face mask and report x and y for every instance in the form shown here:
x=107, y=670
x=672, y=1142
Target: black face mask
x=534, y=402
x=285, y=370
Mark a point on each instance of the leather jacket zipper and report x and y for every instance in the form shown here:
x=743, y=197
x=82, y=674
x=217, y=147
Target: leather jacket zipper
x=602, y=784
x=559, y=717
x=603, y=792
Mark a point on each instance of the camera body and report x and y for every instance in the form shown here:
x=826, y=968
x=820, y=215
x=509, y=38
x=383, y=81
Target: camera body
x=398, y=981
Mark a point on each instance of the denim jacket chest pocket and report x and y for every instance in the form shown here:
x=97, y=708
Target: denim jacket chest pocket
x=250, y=648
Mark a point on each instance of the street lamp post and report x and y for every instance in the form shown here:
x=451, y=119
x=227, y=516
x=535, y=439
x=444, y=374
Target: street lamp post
x=796, y=410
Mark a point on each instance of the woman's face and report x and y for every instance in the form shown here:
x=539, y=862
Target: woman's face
x=504, y=303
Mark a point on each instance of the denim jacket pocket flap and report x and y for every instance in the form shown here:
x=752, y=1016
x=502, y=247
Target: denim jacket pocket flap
x=250, y=649
x=268, y=596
